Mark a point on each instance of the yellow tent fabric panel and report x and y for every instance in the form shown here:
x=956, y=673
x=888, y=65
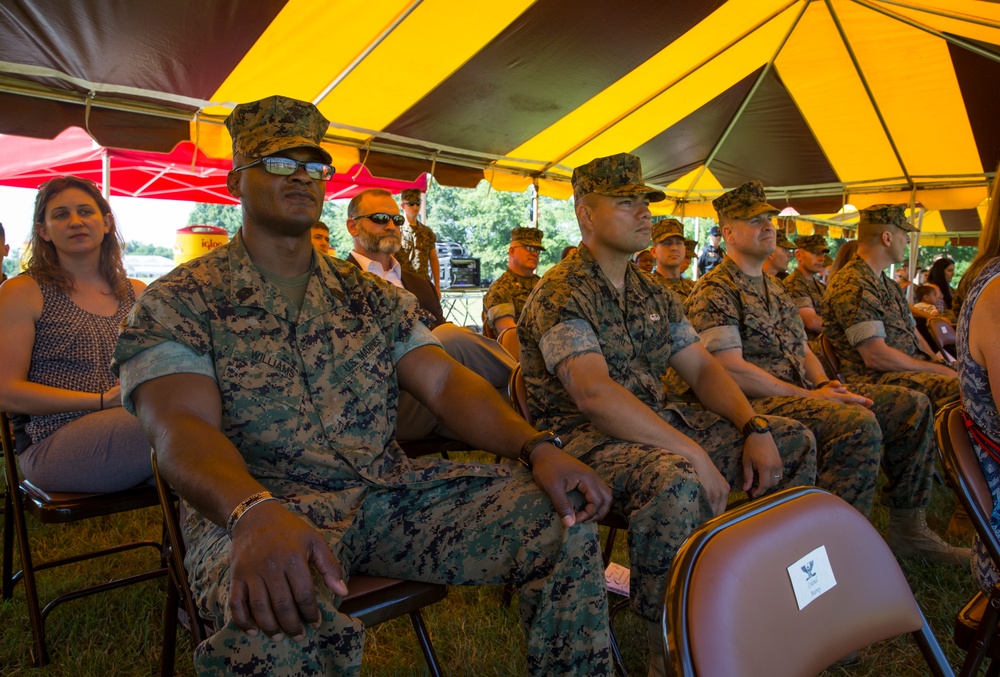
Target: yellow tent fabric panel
x=645, y=84
x=827, y=90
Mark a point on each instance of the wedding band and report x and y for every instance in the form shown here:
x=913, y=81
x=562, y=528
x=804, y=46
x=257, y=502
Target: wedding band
x=777, y=477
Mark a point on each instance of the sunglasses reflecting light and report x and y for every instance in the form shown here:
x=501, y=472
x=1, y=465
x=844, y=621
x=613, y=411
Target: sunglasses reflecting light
x=381, y=218
x=286, y=166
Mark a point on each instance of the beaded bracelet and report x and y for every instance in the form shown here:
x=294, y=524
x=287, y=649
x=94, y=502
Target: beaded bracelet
x=243, y=506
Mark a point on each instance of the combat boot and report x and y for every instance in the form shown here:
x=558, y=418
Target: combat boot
x=960, y=527
x=909, y=536
x=657, y=657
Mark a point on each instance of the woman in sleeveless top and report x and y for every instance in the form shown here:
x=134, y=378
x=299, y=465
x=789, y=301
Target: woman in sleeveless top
x=978, y=347
x=59, y=325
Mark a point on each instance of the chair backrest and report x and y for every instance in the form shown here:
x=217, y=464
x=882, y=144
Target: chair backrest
x=487, y=329
x=508, y=339
x=943, y=333
x=965, y=475
x=731, y=609
x=518, y=392
x=830, y=359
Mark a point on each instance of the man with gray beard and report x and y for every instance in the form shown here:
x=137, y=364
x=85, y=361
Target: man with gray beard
x=373, y=219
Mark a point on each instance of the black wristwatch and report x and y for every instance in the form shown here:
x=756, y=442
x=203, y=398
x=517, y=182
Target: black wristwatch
x=757, y=424
x=533, y=441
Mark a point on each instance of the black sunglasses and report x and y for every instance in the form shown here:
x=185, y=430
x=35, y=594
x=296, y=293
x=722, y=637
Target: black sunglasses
x=286, y=166
x=381, y=218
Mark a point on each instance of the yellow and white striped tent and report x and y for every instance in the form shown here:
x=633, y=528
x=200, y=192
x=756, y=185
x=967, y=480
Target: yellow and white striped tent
x=826, y=101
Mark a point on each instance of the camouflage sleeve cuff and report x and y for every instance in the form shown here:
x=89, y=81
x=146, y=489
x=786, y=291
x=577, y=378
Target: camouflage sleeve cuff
x=161, y=360
x=682, y=334
x=803, y=302
x=566, y=339
x=420, y=336
x=723, y=337
x=500, y=310
x=863, y=331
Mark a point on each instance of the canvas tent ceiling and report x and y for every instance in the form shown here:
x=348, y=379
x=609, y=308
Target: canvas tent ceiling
x=825, y=101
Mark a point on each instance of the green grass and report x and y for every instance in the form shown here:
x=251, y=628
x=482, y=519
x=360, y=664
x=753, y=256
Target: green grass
x=119, y=633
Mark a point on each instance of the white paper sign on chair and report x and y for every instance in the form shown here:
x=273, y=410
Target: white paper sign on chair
x=811, y=576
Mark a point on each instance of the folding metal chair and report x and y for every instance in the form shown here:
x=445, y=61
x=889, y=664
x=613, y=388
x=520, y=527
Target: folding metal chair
x=508, y=339
x=976, y=624
x=828, y=356
x=943, y=334
x=372, y=599
x=731, y=606
x=57, y=508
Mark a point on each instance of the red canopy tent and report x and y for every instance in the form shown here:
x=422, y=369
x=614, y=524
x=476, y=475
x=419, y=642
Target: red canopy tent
x=185, y=173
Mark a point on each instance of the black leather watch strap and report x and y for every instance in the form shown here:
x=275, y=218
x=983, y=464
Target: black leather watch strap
x=533, y=441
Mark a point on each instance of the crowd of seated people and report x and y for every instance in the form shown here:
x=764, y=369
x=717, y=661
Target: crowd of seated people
x=301, y=371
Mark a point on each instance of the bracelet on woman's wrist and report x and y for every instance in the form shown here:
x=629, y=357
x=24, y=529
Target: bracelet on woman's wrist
x=102, y=402
x=243, y=506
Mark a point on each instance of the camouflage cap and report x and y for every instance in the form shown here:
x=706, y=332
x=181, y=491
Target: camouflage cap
x=814, y=244
x=529, y=237
x=883, y=213
x=689, y=246
x=619, y=174
x=667, y=228
x=264, y=127
x=410, y=195
x=781, y=240
x=744, y=202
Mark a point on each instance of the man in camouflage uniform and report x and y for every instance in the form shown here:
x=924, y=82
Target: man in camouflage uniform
x=418, y=254
x=506, y=296
x=804, y=285
x=375, y=246
x=689, y=254
x=669, y=248
x=596, y=335
x=290, y=365
x=711, y=254
x=750, y=323
x=869, y=321
x=777, y=263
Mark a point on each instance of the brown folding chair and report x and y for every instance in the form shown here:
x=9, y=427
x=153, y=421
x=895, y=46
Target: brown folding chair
x=943, y=334
x=828, y=356
x=976, y=624
x=508, y=339
x=372, y=599
x=487, y=329
x=49, y=507
x=730, y=608
x=614, y=521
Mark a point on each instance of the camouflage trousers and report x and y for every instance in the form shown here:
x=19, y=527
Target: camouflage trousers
x=848, y=444
x=462, y=531
x=659, y=493
x=906, y=423
x=940, y=389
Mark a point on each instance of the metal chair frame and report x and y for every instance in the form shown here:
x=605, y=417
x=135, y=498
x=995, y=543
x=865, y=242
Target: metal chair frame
x=56, y=508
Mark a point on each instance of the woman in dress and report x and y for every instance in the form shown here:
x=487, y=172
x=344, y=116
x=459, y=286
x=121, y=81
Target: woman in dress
x=978, y=347
x=60, y=323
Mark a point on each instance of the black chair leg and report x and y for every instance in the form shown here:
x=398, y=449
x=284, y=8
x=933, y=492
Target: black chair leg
x=424, y=638
x=8, y=546
x=169, y=650
x=616, y=653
